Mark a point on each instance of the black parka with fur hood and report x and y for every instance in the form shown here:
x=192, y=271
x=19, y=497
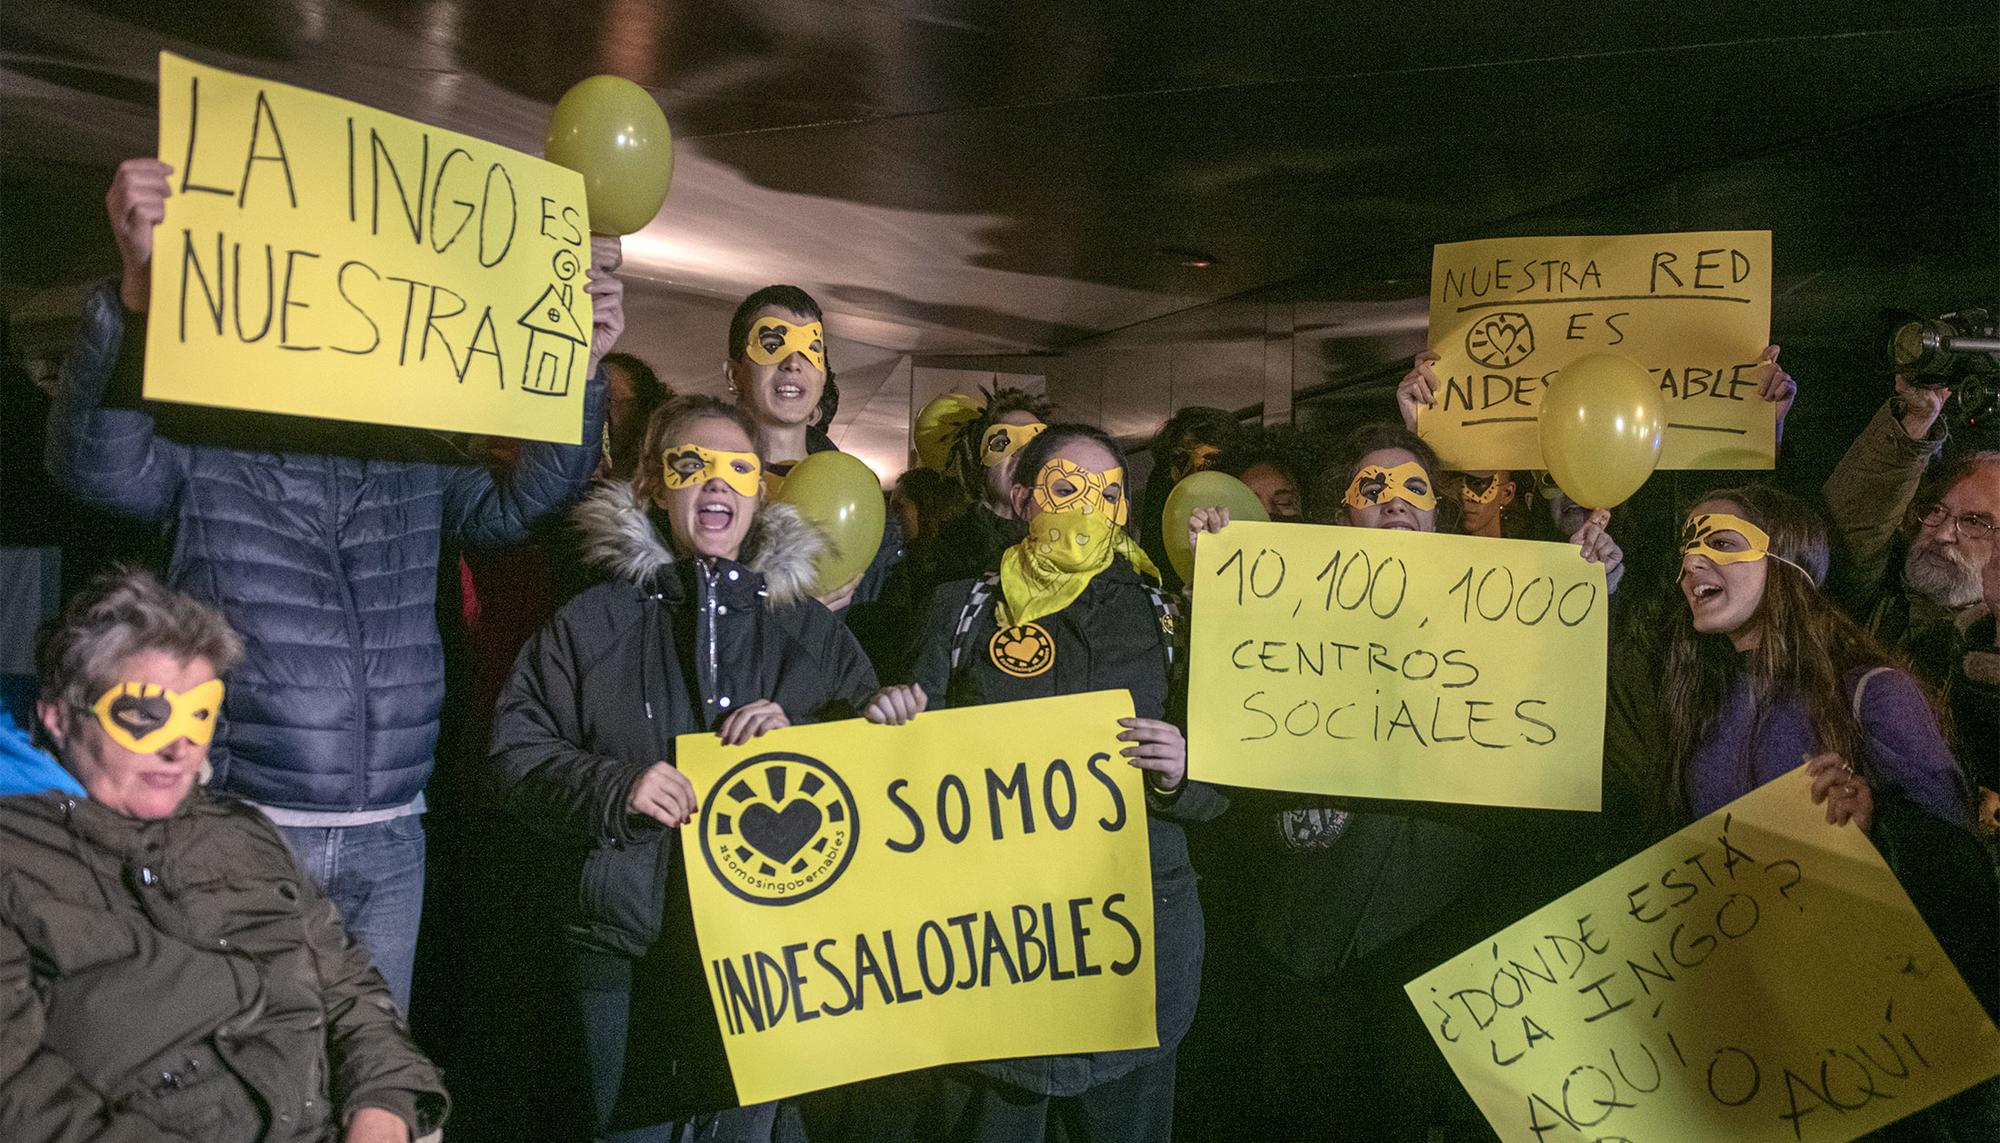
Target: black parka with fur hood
x=668, y=647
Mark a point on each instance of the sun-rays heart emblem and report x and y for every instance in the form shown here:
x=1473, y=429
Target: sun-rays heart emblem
x=779, y=828
x=1023, y=650
x=1500, y=341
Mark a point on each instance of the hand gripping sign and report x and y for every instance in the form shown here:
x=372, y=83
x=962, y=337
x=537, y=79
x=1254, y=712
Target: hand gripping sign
x=974, y=884
x=1759, y=975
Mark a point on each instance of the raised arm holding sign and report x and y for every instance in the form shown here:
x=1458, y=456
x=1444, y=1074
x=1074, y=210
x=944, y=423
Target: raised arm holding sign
x=1508, y=313
x=320, y=542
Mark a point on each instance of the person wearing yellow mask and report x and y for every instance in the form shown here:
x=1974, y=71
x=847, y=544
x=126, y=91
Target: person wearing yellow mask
x=981, y=459
x=778, y=368
x=1075, y=607
x=1756, y=671
x=705, y=625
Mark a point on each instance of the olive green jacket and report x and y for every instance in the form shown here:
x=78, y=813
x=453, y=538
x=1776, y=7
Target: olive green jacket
x=184, y=979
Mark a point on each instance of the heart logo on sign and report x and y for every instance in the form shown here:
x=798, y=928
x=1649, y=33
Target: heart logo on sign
x=779, y=834
x=1499, y=341
x=779, y=828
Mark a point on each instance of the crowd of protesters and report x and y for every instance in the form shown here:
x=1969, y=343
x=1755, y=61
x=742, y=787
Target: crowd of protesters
x=213, y=850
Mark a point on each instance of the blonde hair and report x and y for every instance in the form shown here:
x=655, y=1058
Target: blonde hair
x=668, y=425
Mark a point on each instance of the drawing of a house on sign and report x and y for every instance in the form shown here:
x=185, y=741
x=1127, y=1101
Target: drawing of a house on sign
x=553, y=338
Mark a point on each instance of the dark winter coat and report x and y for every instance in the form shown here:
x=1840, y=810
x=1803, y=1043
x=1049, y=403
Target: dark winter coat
x=325, y=562
x=668, y=647
x=184, y=979
x=1110, y=638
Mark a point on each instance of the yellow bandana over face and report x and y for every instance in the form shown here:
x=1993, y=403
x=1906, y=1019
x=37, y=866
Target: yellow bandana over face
x=145, y=718
x=772, y=339
x=1064, y=551
x=1066, y=486
x=690, y=466
x=1003, y=441
x=1407, y=482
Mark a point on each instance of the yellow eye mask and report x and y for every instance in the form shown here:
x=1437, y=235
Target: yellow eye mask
x=1199, y=458
x=1478, y=489
x=1700, y=530
x=144, y=718
x=1003, y=441
x=1407, y=482
x=690, y=465
x=1086, y=490
x=772, y=339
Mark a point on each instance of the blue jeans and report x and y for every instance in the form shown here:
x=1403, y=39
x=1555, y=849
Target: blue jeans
x=375, y=877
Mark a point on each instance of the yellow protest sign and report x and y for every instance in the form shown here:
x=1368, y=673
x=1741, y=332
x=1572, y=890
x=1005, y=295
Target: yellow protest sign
x=1758, y=975
x=1508, y=313
x=974, y=884
x=1389, y=664
x=326, y=259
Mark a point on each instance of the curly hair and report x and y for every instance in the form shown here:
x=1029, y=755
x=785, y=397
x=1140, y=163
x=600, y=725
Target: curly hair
x=122, y=613
x=962, y=460
x=1326, y=501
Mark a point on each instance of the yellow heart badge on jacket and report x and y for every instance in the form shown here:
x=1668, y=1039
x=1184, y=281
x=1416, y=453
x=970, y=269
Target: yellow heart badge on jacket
x=144, y=718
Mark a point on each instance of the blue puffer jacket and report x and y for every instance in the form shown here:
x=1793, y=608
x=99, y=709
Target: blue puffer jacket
x=325, y=563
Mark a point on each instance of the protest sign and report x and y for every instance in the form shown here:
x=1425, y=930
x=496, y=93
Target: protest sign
x=973, y=884
x=1389, y=664
x=1758, y=975
x=1508, y=313
x=325, y=259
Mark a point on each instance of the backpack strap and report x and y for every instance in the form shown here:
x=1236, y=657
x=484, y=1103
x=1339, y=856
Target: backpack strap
x=1861, y=687
x=1168, y=609
x=983, y=590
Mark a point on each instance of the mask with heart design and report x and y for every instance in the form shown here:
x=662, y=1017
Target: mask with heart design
x=144, y=718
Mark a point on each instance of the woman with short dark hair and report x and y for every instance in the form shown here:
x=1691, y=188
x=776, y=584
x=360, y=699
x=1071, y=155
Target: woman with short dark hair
x=167, y=970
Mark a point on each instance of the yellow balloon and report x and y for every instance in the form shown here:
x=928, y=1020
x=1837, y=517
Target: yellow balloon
x=1203, y=490
x=843, y=499
x=938, y=422
x=1602, y=424
x=613, y=133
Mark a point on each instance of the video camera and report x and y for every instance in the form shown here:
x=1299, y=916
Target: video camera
x=1960, y=350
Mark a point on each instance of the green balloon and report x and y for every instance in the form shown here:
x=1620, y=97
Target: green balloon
x=612, y=132
x=1203, y=490
x=843, y=499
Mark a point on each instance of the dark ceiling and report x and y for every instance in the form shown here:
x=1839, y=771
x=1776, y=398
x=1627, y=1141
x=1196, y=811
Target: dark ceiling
x=1011, y=175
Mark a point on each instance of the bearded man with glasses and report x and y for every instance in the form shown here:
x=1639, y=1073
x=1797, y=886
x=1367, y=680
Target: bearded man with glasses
x=1940, y=612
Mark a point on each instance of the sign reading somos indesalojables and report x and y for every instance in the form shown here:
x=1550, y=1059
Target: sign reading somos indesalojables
x=325, y=259
x=971, y=885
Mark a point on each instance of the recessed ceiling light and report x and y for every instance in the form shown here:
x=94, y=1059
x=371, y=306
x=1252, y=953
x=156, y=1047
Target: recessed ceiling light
x=1194, y=259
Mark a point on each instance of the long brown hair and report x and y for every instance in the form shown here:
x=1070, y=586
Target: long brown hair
x=1806, y=646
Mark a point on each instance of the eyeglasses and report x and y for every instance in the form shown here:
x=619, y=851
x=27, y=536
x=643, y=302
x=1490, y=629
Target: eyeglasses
x=1968, y=525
